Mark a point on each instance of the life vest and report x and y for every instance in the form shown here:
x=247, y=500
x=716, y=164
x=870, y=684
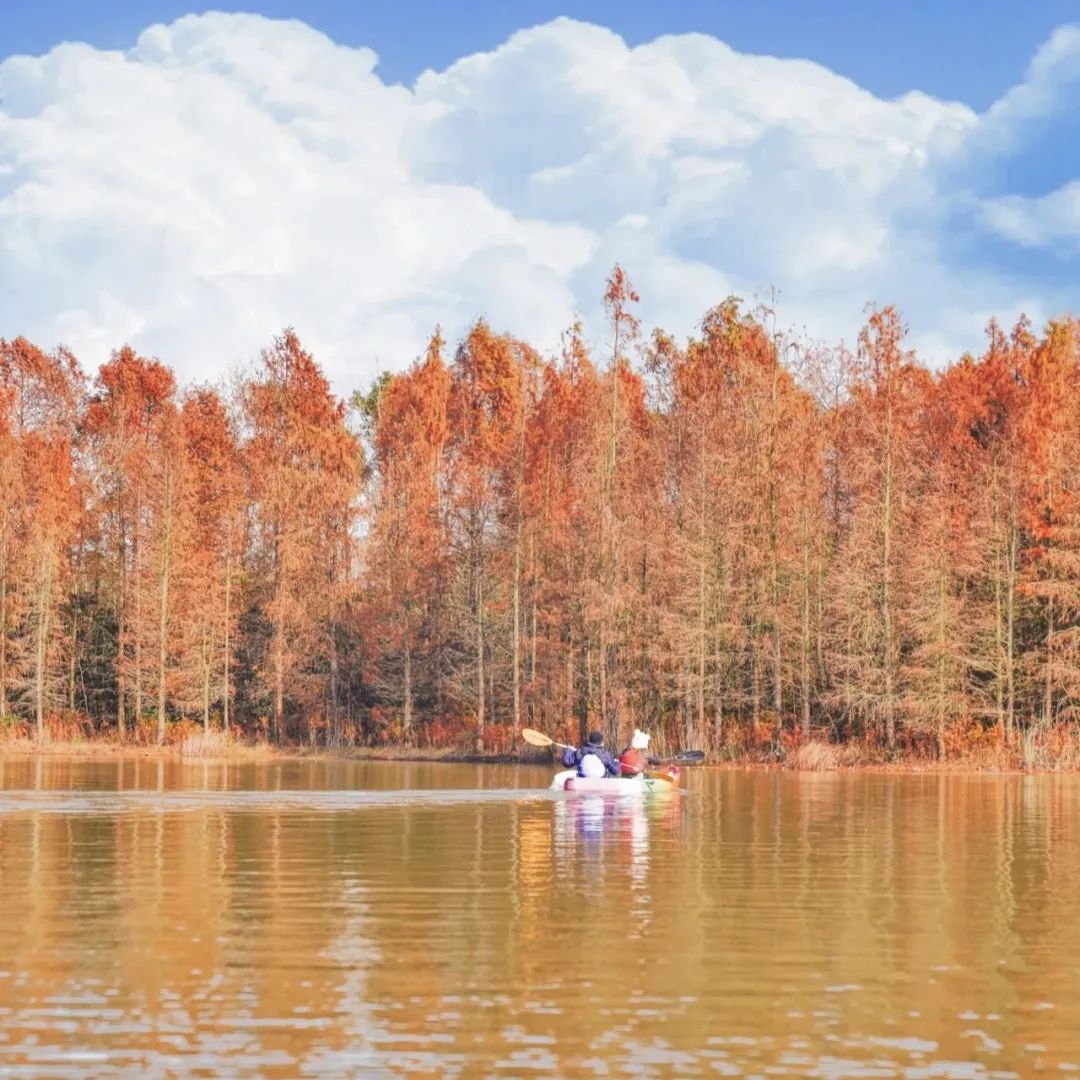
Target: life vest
x=632, y=762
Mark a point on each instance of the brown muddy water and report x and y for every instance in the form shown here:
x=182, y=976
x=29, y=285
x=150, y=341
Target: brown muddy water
x=367, y=919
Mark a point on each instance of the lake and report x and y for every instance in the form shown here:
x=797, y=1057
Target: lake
x=356, y=918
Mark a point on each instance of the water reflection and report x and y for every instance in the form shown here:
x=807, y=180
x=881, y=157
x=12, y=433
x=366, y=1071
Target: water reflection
x=319, y=774
x=819, y=925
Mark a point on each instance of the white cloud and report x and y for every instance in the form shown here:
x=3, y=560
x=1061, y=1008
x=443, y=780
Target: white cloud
x=1051, y=221
x=1053, y=70
x=230, y=174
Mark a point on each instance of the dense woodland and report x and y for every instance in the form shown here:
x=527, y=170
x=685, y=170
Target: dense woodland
x=739, y=541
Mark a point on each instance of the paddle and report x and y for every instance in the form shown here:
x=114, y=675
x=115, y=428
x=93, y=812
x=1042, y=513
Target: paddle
x=538, y=738
x=683, y=757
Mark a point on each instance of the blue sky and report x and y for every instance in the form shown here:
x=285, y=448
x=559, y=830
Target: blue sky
x=969, y=50
x=191, y=187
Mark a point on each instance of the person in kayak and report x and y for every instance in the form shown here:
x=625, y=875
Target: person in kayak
x=602, y=763
x=632, y=761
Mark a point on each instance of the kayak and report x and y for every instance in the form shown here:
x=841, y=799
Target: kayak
x=650, y=783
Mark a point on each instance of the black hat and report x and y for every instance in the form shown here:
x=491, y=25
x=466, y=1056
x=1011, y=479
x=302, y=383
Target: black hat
x=596, y=738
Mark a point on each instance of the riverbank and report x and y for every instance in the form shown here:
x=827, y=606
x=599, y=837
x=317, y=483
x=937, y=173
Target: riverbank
x=217, y=747
x=813, y=756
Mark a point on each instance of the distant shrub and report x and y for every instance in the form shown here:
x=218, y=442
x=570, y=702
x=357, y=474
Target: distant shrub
x=1055, y=747
x=205, y=744
x=813, y=756
x=216, y=743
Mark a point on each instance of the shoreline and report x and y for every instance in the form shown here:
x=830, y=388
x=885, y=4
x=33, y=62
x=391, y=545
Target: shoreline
x=265, y=753
x=248, y=752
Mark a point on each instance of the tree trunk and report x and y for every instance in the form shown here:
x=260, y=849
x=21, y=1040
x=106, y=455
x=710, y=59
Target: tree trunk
x=3, y=617
x=137, y=569
x=437, y=615
x=824, y=677
x=1010, y=620
x=122, y=614
x=532, y=647
x=804, y=637
x=41, y=642
x=335, y=719
x=407, y=710
x=716, y=645
x=774, y=552
x=570, y=702
x=516, y=719
x=227, y=642
x=168, y=508
x=335, y=715
x=1048, y=690
x=518, y=539
x=121, y=630
x=999, y=613
x=603, y=679
x=407, y=703
x=207, y=653
x=718, y=700
x=492, y=714
x=888, y=704
x=941, y=665
x=72, y=654
x=587, y=712
x=702, y=594
x=646, y=671
x=279, y=679
x=479, y=589
x=755, y=677
x=607, y=649
x=701, y=647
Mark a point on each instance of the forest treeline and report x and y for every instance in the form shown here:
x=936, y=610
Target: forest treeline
x=740, y=541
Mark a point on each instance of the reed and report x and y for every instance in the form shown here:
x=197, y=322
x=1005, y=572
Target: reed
x=814, y=756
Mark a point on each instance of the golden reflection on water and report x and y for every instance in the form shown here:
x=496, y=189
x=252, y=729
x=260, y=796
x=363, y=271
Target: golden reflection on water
x=166, y=918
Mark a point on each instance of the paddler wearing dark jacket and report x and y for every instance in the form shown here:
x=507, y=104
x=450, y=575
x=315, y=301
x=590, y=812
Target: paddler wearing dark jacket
x=572, y=758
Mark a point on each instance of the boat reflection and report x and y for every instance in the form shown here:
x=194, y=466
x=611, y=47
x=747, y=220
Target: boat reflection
x=612, y=829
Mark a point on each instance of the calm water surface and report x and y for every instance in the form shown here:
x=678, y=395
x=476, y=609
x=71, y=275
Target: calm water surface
x=376, y=919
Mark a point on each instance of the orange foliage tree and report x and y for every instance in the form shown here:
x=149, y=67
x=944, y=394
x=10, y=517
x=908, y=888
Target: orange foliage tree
x=407, y=547
x=741, y=540
x=1052, y=509
x=304, y=467
x=211, y=548
x=870, y=585
x=122, y=424
x=484, y=409
x=39, y=507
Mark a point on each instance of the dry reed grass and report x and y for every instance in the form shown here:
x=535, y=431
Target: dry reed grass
x=814, y=756
x=216, y=744
x=1036, y=747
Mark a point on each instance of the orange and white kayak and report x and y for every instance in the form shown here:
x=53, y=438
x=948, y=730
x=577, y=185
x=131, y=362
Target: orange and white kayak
x=658, y=782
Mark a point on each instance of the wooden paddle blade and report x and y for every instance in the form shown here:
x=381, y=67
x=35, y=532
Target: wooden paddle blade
x=536, y=738
x=664, y=775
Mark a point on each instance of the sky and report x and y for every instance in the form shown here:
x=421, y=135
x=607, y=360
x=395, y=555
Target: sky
x=189, y=182
x=964, y=51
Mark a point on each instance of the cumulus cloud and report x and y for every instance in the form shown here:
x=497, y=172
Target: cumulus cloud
x=1051, y=221
x=230, y=174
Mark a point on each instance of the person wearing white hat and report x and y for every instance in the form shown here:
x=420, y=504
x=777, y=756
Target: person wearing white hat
x=632, y=761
